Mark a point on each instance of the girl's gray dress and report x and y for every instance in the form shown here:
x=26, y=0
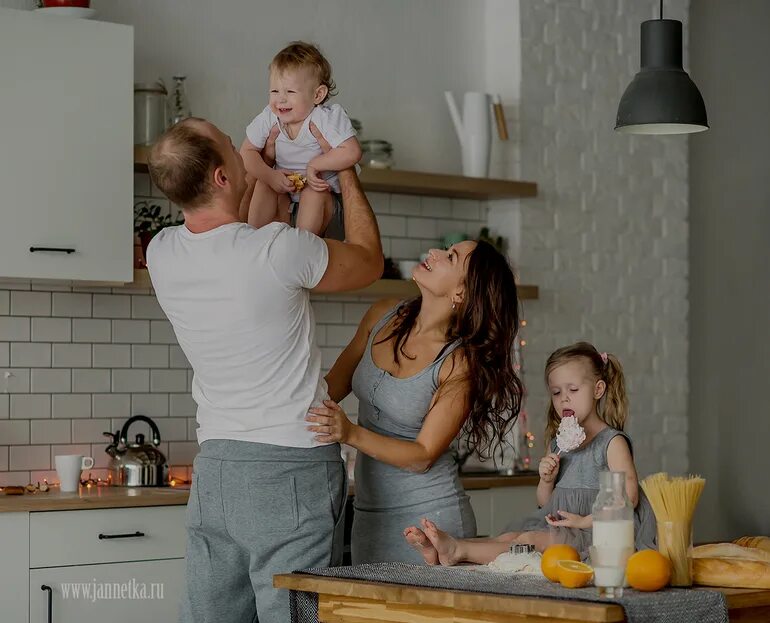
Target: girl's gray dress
x=389, y=499
x=575, y=491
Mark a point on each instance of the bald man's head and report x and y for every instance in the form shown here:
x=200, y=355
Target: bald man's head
x=181, y=163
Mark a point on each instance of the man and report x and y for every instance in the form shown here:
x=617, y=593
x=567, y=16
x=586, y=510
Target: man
x=266, y=497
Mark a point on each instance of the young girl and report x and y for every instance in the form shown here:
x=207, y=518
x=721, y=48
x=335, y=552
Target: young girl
x=300, y=86
x=589, y=386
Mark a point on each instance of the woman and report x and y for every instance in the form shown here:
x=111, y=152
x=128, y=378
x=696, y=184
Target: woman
x=423, y=370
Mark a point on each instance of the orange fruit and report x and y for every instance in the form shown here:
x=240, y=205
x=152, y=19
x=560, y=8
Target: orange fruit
x=574, y=574
x=551, y=557
x=648, y=570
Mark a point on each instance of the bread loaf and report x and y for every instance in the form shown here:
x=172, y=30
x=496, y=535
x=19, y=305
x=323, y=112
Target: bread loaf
x=730, y=550
x=731, y=572
x=758, y=542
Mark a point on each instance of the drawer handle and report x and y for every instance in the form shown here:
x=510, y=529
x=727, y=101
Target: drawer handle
x=50, y=601
x=121, y=536
x=51, y=249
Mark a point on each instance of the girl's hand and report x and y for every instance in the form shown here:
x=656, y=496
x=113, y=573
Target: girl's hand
x=570, y=520
x=279, y=182
x=314, y=179
x=331, y=423
x=549, y=467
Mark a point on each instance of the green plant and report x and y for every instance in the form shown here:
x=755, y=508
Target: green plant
x=498, y=242
x=149, y=220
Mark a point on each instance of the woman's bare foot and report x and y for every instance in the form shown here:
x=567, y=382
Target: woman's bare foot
x=417, y=539
x=445, y=544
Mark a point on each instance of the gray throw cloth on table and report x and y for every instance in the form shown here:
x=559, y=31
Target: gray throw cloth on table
x=673, y=605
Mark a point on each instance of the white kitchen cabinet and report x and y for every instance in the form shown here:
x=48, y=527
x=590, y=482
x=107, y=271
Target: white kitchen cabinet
x=118, y=593
x=128, y=577
x=498, y=507
x=66, y=153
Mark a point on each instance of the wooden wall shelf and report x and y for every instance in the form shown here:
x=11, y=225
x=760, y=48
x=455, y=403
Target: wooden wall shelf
x=417, y=183
x=383, y=288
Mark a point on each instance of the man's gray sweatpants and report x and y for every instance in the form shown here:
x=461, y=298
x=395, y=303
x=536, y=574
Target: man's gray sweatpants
x=256, y=510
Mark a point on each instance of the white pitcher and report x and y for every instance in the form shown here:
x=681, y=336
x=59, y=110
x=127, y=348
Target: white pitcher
x=474, y=131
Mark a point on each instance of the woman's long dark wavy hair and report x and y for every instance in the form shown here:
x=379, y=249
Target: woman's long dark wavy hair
x=486, y=322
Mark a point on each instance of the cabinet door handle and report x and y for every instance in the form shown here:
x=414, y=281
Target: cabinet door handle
x=121, y=536
x=50, y=601
x=52, y=249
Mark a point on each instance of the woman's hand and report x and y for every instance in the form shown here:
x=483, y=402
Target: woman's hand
x=331, y=423
x=549, y=467
x=570, y=520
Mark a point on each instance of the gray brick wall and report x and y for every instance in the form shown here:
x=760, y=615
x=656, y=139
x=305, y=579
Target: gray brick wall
x=606, y=239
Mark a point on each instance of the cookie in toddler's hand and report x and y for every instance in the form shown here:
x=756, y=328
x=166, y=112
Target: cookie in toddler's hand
x=298, y=180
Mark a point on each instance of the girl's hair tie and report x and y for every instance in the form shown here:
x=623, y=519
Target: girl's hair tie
x=604, y=357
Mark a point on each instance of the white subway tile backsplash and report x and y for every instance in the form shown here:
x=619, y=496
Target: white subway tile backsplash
x=354, y=312
x=407, y=205
x=31, y=303
x=30, y=355
x=71, y=305
x=29, y=457
x=5, y=302
x=72, y=355
x=3, y=458
x=380, y=202
x=91, y=381
x=417, y=227
x=327, y=312
x=466, y=209
x=112, y=355
x=14, y=380
x=151, y=355
x=14, y=432
x=71, y=406
x=146, y=307
x=51, y=329
x=172, y=428
x=405, y=249
x=152, y=405
x=182, y=405
x=5, y=354
x=130, y=381
x=14, y=329
x=111, y=306
x=329, y=356
x=91, y=330
x=339, y=335
x=192, y=428
x=161, y=332
x=111, y=406
x=168, y=380
x=177, y=358
x=30, y=406
x=53, y=431
x=435, y=207
x=392, y=225
x=51, y=380
x=131, y=331
x=90, y=431
x=5, y=401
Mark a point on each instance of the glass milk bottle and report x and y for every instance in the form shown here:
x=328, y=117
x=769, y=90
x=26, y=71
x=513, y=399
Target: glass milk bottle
x=613, y=515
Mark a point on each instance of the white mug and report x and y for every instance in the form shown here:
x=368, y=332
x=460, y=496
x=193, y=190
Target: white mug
x=68, y=467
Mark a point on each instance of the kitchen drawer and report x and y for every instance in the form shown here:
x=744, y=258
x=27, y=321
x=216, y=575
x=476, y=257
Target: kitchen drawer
x=73, y=537
x=119, y=592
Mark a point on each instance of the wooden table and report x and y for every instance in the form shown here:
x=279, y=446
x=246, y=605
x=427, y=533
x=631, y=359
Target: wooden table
x=356, y=601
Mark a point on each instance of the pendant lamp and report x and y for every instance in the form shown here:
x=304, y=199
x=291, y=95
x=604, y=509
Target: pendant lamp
x=661, y=98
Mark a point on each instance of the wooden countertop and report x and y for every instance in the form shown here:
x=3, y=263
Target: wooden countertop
x=125, y=497
x=95, y=497
x=343, y=600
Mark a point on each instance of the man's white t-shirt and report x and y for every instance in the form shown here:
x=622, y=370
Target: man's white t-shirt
x=239, y=303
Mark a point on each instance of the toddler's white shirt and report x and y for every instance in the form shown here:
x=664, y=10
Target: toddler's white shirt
x=239, y=301
x=294, y=155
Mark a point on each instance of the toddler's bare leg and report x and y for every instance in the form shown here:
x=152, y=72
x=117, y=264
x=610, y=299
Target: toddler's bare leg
x=452, y=551
x=540, y=539
x=315, y=210
x=264, y=205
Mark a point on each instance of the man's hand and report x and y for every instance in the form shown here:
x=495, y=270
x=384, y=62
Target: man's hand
x=325, y=146
x=330, y=422
x=268, y=151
